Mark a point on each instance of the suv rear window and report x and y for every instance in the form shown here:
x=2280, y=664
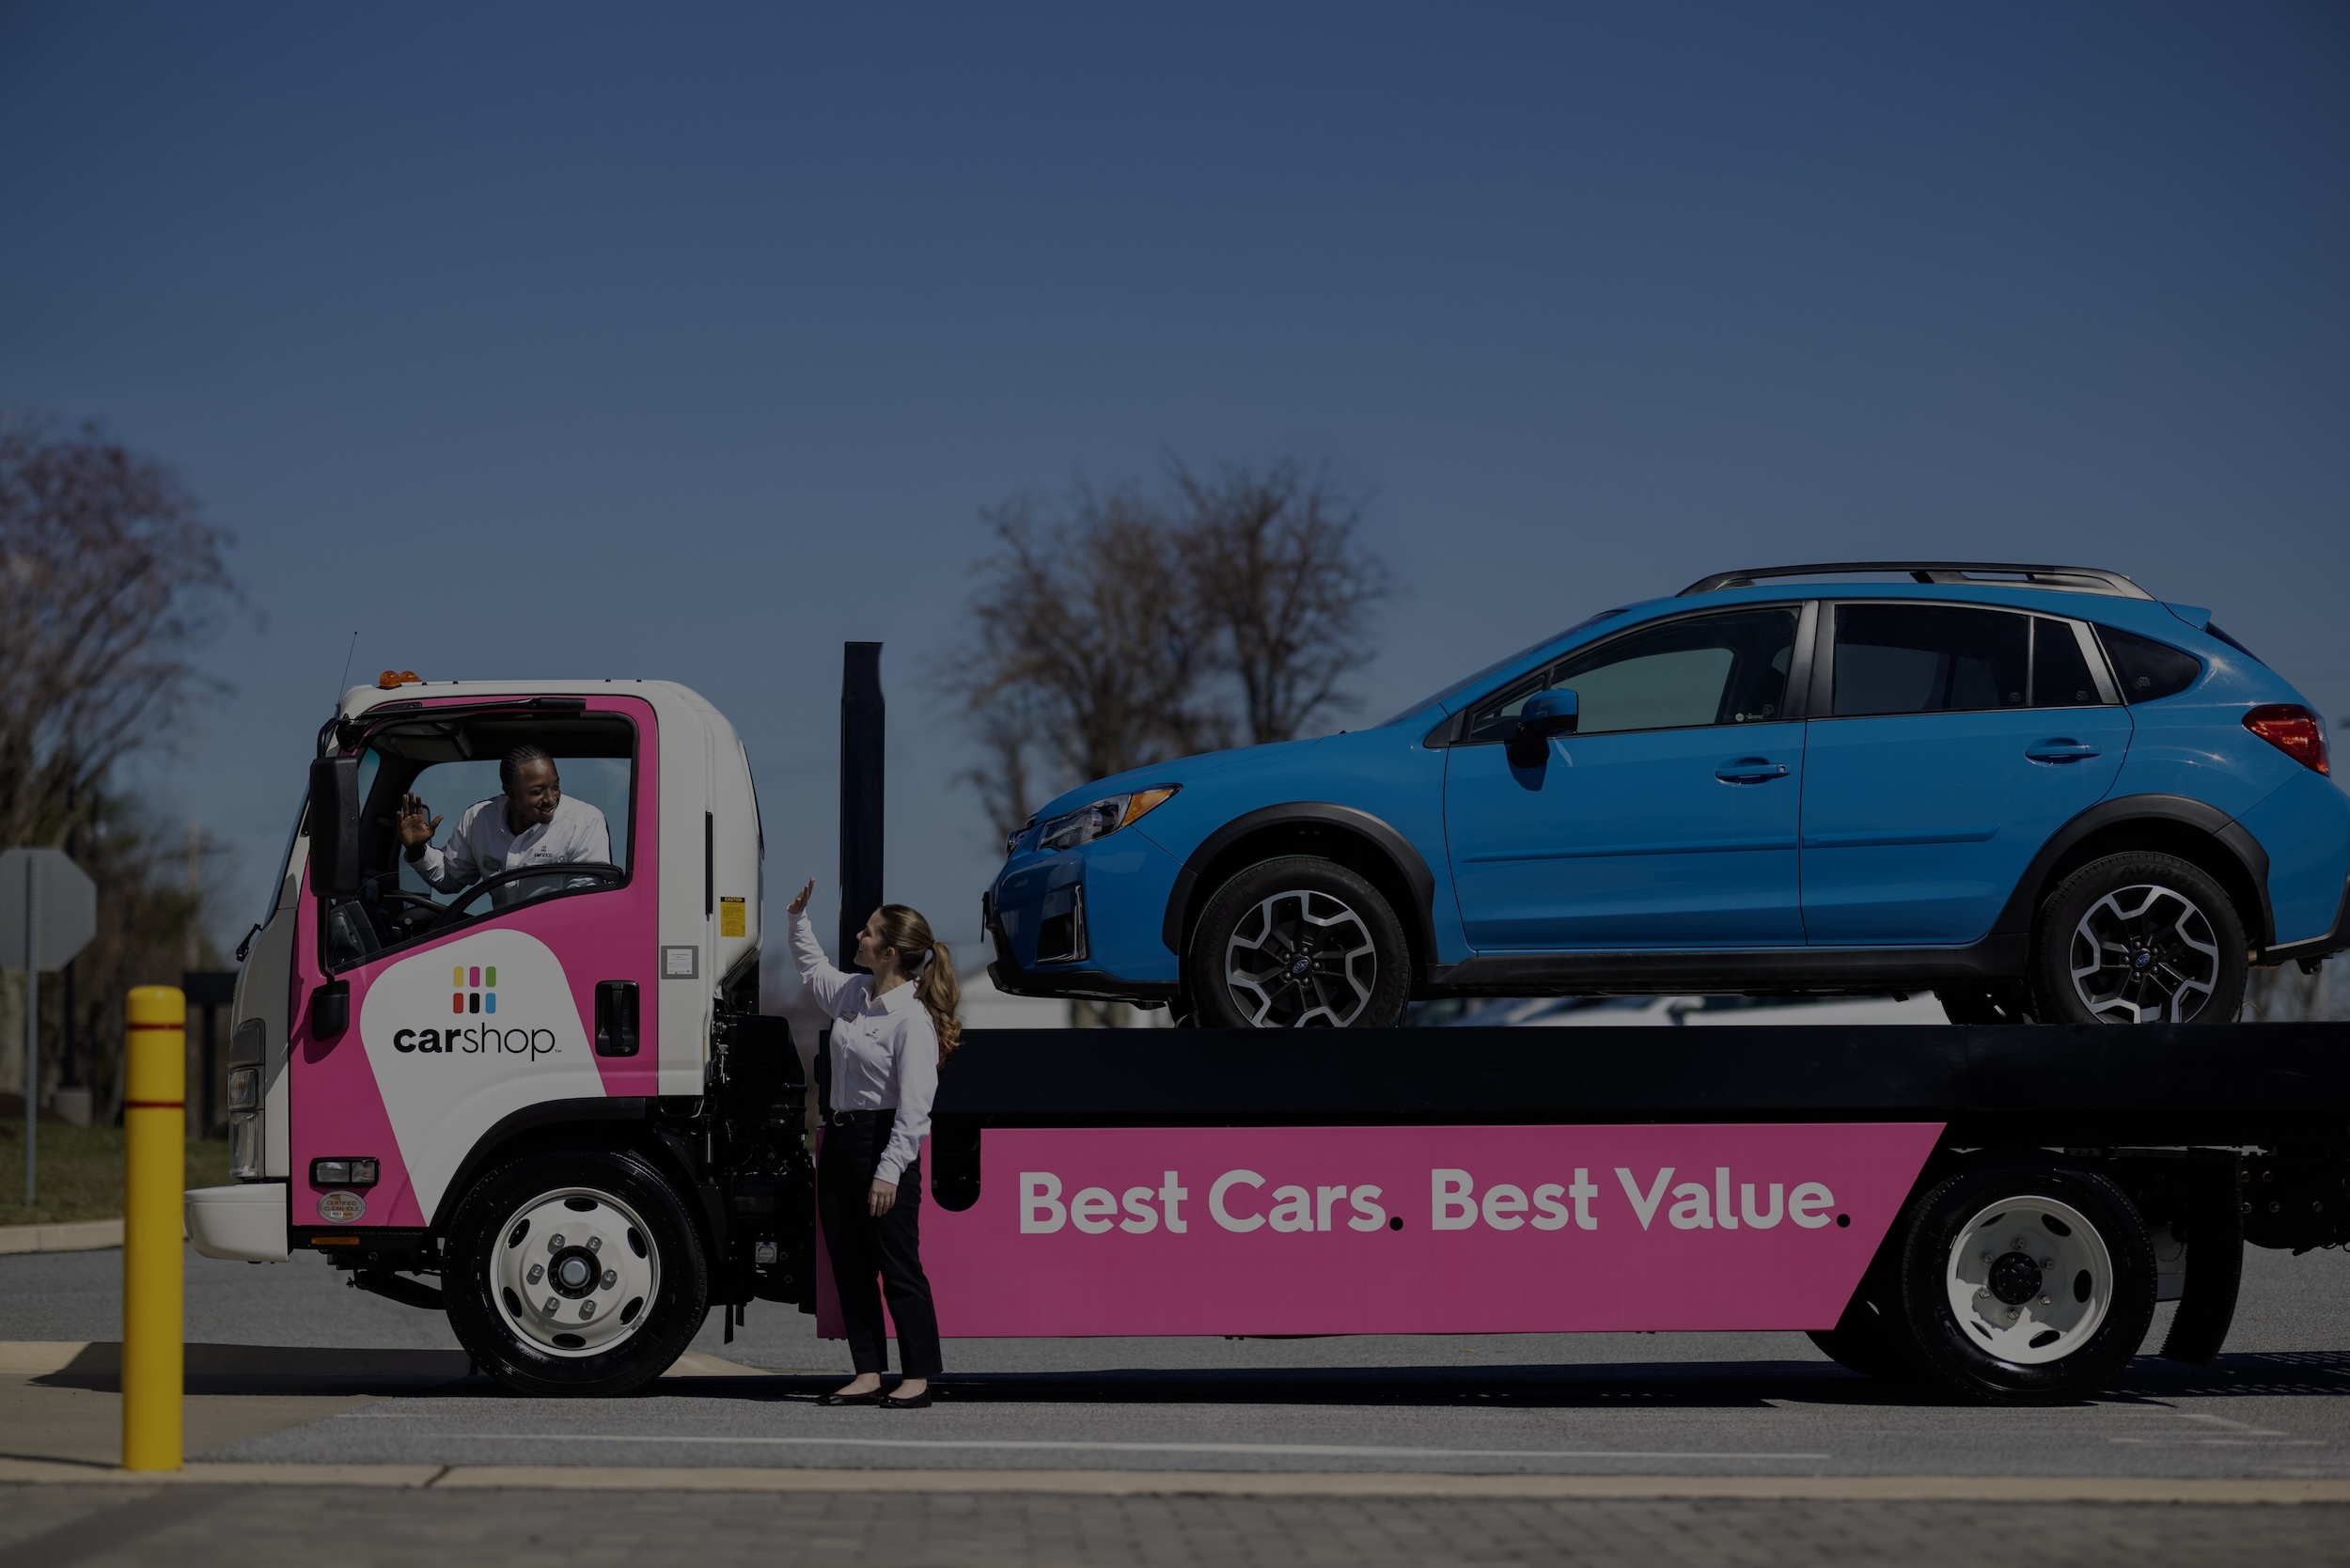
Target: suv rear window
x=1913, y=658
x=2148, y=669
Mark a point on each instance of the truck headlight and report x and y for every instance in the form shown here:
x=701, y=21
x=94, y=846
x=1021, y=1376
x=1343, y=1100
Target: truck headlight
x=1100, y=818
x=244, y=1089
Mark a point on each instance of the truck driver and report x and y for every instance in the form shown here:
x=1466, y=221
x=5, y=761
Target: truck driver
x=532, y=823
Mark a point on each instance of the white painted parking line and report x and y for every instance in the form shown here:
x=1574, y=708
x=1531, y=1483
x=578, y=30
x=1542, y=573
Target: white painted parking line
x=1325, y=1450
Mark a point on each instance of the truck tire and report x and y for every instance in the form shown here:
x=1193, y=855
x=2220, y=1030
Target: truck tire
x=1298, y=942
x=2026, y=1281
x=575, y=1272
x=2138, y=938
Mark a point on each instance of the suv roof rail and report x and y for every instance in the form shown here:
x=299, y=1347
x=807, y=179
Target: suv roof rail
x=2077, y=579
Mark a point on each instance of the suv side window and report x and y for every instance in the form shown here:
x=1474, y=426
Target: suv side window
x=2148, y=669
x=1918, y=658
x=1707, y=670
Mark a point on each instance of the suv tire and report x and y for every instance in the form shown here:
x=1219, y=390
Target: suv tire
x=575, y=1272
x=1298, y=942
x=2138, y=937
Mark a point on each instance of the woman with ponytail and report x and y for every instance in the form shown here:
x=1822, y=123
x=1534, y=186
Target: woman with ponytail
x=893, y=1030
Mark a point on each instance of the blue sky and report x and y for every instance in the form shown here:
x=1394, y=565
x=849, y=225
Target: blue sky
x=689, y=342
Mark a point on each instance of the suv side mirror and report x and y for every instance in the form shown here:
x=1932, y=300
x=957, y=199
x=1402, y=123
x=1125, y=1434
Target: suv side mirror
x=1545, y=713
x=334, y=822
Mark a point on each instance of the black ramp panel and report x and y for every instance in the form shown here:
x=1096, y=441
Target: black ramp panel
x=2220, y=1083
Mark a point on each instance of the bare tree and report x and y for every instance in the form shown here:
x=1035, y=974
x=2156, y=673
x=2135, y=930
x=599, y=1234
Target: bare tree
x=1120, y=630
x=1087, y=649
x=108, y=573
x=1275, y=568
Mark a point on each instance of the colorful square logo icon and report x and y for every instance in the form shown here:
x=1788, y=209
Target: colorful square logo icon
x=477, y=989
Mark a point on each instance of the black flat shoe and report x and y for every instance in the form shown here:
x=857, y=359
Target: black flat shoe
x=919, y=1401
x=873, y=1398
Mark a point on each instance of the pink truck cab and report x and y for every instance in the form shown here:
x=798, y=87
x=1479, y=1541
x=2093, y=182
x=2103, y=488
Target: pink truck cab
x=399, y=1050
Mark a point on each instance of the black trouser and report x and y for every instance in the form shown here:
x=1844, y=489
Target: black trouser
x=862, y=1247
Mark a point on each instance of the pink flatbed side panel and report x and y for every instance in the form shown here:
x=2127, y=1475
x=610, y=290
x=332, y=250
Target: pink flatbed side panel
x=993, y=1278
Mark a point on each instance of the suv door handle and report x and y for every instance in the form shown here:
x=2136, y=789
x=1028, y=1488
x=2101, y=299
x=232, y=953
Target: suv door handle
x=2060, y=751
x=1750, y=770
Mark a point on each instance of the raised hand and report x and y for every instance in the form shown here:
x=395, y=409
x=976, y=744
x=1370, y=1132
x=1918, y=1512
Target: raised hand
x=799, y=906
x=415, y=832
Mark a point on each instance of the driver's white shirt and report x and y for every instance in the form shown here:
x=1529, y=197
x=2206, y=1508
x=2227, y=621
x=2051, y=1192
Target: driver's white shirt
x=482, y=845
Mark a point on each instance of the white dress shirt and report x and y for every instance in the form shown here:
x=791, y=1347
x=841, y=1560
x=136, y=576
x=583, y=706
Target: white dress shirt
x=884, y=1053
x=482, y=845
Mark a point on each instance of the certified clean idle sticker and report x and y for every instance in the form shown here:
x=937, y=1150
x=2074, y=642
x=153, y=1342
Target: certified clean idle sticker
x=341, y=1208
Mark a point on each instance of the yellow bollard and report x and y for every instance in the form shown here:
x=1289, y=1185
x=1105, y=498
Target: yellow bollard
x=155, y=1140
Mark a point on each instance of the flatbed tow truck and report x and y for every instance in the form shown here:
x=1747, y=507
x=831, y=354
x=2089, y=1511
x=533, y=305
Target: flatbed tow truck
x=551, y=1108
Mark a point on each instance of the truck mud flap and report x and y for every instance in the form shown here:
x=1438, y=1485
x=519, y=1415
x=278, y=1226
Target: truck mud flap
x=2212, y=1220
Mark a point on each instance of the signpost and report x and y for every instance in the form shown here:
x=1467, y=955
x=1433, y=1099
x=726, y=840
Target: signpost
x=48, y=911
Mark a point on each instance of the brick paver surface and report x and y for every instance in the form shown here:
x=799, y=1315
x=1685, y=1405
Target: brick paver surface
x=190, y=1527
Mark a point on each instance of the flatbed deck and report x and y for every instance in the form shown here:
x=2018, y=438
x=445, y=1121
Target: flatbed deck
x=2236, y=1084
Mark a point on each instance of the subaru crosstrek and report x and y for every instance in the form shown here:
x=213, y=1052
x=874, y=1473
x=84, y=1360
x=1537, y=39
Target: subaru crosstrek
x=2036, y=790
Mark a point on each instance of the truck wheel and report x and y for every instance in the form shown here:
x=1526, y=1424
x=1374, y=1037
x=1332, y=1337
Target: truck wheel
x=1297, y=943
x=2027, y=1282
x=577, y=1272
x=2138, y=938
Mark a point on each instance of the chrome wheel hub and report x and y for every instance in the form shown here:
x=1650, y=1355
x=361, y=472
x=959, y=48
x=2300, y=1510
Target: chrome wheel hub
x=1301, y=960
x=2030, y=1281
x=2144, y=955
x=575, y=1271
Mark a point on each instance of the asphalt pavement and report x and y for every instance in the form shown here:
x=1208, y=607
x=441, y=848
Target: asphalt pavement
x=381, y=1384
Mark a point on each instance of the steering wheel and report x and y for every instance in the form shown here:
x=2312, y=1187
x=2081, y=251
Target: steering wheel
x=450, y=913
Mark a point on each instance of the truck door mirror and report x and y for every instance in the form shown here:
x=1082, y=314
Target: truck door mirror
x=1545, y=713
x=334, y=821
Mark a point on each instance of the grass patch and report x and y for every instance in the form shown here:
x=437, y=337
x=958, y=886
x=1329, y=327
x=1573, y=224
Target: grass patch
x=81, y=1172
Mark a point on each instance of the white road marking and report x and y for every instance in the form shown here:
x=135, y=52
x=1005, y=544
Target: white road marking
x=1321, y=1450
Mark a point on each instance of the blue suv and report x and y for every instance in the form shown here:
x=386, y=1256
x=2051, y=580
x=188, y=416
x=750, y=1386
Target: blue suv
x=2036, y=790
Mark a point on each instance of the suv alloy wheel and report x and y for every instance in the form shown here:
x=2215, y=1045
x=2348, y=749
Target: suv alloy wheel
x=2138, y=938
x=1298, y=943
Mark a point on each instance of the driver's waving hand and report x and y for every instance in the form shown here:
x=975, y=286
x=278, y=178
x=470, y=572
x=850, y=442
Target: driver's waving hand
x=532, y=823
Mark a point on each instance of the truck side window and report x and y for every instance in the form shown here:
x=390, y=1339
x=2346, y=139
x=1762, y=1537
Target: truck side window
x=1728, y=668
x=478, y=866
x=1911, y=658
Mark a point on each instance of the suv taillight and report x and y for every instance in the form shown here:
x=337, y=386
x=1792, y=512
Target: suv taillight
x=2294, y=730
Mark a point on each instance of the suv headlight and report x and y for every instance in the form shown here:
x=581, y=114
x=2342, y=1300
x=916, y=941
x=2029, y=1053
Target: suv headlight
x=1099, y=819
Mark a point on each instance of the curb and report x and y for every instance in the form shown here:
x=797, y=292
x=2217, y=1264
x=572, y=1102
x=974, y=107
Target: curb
x=1214, y=1483
x=89, y=1235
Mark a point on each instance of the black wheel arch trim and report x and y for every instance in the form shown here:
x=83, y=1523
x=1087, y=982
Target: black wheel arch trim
x=502, y=1134
x=1307, y=813
x=2252, y=860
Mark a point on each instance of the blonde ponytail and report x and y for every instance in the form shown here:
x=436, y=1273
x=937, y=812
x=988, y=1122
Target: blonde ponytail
x=934, y=984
